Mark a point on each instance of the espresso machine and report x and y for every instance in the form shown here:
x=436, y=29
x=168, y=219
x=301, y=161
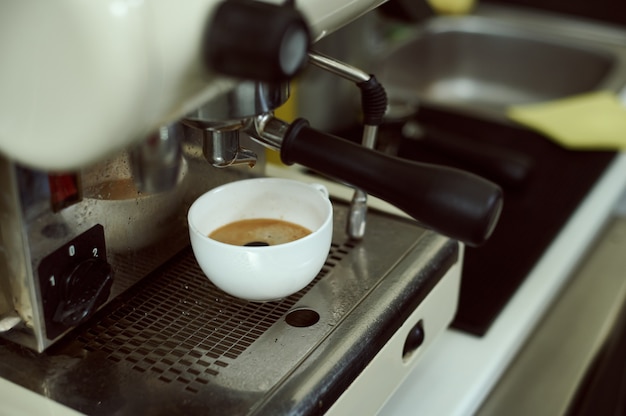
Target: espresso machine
x=107, y=139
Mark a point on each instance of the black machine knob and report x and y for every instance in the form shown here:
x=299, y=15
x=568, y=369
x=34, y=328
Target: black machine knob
x=256, y=40
x=414, y=339
x=84, y=289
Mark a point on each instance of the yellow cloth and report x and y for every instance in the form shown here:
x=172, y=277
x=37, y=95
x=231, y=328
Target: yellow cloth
x=593, y=121
x=452, y=6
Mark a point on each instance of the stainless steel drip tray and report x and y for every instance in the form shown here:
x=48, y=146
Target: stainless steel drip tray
x=175, y=344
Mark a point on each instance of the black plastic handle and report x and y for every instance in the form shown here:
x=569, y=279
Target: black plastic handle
x=453, y=202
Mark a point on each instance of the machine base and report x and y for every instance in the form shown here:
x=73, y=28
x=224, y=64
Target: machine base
x=175, y=344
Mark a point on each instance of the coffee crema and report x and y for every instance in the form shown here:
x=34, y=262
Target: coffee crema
x=259, y=232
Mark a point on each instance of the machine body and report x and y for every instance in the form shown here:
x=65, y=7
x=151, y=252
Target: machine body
x=82, y=80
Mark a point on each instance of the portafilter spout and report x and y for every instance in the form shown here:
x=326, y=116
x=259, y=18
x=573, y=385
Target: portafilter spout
x=227, y=114
x=221, y=147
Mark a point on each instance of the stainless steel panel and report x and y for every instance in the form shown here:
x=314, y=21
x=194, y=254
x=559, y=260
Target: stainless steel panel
x=175, y=344
x=30, y=231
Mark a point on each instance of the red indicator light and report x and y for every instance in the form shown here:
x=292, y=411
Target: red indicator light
x=64, y=190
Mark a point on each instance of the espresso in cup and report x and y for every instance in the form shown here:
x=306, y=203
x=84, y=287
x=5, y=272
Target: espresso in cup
x=292, y=219
x=259, y=232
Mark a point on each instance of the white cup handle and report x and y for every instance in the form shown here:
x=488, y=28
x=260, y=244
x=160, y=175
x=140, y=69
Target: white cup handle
x=320, y=188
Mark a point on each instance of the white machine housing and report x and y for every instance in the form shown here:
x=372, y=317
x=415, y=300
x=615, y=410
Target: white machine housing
x=81, y=80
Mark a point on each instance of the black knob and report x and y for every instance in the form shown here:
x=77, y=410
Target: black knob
x=414, y=339
x=85, y=288
x=256, y=40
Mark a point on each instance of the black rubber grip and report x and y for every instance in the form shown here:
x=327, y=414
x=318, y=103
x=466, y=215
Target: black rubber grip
x=453, y=202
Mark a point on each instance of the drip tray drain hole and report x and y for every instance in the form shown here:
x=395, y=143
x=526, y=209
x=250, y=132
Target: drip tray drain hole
x=302, y=318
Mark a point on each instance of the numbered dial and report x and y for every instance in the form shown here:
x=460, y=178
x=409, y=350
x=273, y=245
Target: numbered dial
x=75, y=280
x=85, y=287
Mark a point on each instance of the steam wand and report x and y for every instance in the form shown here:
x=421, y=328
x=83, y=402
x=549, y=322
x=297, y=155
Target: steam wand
x=374, y=105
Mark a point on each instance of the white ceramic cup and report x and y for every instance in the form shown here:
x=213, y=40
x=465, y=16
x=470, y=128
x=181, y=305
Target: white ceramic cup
x=270, y=272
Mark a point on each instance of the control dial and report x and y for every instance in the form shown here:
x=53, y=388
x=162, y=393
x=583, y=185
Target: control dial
x=84, y=288
x=74, y=280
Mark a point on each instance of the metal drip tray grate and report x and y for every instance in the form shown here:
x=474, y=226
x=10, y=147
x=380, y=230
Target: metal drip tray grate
x=184, y=329
x=175, y=344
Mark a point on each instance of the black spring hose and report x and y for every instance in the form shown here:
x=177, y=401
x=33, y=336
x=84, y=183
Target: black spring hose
x=373, y=101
